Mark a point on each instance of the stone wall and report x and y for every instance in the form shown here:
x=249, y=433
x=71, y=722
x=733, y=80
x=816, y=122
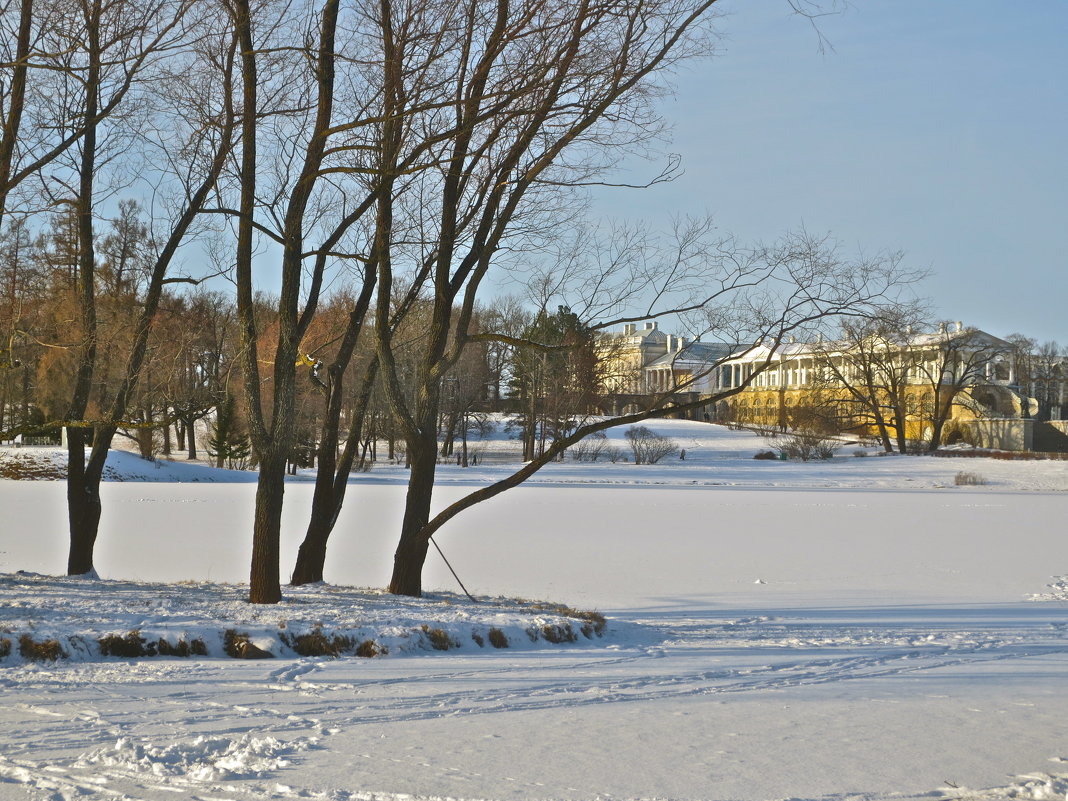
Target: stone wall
x=1002, y=435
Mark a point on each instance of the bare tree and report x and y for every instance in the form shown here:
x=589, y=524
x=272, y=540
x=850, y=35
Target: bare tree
x=541, y=96
x=760, y=294
x=949, y=363
x=1039, y=370
x=649, y=447
x=869, y=367
x=99, y=69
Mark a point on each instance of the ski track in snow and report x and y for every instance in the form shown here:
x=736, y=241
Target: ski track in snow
x=87, y=735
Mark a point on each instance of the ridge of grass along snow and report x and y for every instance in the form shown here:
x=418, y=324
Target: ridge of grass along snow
x=46, y=619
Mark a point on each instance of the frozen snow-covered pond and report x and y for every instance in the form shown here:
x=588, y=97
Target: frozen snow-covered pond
x=863, y=629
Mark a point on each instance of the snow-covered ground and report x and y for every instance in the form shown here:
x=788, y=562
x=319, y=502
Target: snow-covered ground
x=860, y=628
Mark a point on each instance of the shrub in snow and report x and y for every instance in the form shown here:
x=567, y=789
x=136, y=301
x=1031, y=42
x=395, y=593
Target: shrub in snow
x=180, y=647
x=369, y=648
x=808, y=446
x=127, y=646
x=315, y=643
x=439, y=639
x=497, y=638
x=591, y=448
x=239, y=646
x=557, y=634
x=649, y=447
x=40, y=651
x=964, y=479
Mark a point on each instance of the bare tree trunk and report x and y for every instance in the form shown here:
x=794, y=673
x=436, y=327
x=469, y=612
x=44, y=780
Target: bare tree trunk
x=463, y=439
x=331, y=481
x=902, y=434
x=16, y=103
x=191, y=434
x=273, y=444
x=145, y=436
x=264, y=584
x=83, y=493
x=942, y=411
x=83, y=506
x=884, y=435
x=412, y=548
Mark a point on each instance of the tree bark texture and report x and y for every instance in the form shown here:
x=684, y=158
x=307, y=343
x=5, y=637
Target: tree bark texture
x=412, y=548
x=264, y=584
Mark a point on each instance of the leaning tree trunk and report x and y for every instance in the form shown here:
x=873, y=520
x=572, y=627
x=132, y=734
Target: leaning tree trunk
x=412, y=549
x=942, y=413
x=884, y=435
x=331, y=481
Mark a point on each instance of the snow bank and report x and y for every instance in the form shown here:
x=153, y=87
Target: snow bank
x=201, y=759
x=714, y=456
x=44, y=618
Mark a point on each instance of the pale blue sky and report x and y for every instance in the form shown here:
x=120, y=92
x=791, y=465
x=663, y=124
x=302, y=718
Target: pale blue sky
x=937, y=127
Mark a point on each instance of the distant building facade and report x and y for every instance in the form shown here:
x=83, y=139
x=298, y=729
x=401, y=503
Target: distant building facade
x=784, y=382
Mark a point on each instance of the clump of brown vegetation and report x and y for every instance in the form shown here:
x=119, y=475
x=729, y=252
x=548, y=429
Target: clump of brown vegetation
x=555, y=633
x=964, y=479
x=239, y=646
x=25, y=466
x=40, y=651
x=497, y=638
x=439, y=639
x=593, y=622
x=195, y=647
x=5, y=648
x=370, y=648
x=315, y=643
x=129, y=646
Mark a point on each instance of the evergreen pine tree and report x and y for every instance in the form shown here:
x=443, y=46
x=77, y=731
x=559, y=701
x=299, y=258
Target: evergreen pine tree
x=228, y=444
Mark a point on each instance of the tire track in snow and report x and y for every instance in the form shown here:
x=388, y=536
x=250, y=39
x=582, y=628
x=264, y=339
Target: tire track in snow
x=299, y=704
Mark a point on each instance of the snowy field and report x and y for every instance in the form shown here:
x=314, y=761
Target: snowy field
x=862, y=628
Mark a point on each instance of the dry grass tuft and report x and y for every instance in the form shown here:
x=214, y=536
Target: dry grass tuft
x=194, y=647
x=497, y=638
x=479, y=639
x=128, y=646
x=558, y=634
x=439, y=639
x=315, y=643
x=964, y=479
x=593, y=622
x=43, y=651
x=369, y=648
x=26, y=466
x=5, y=648
x=239, y=646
